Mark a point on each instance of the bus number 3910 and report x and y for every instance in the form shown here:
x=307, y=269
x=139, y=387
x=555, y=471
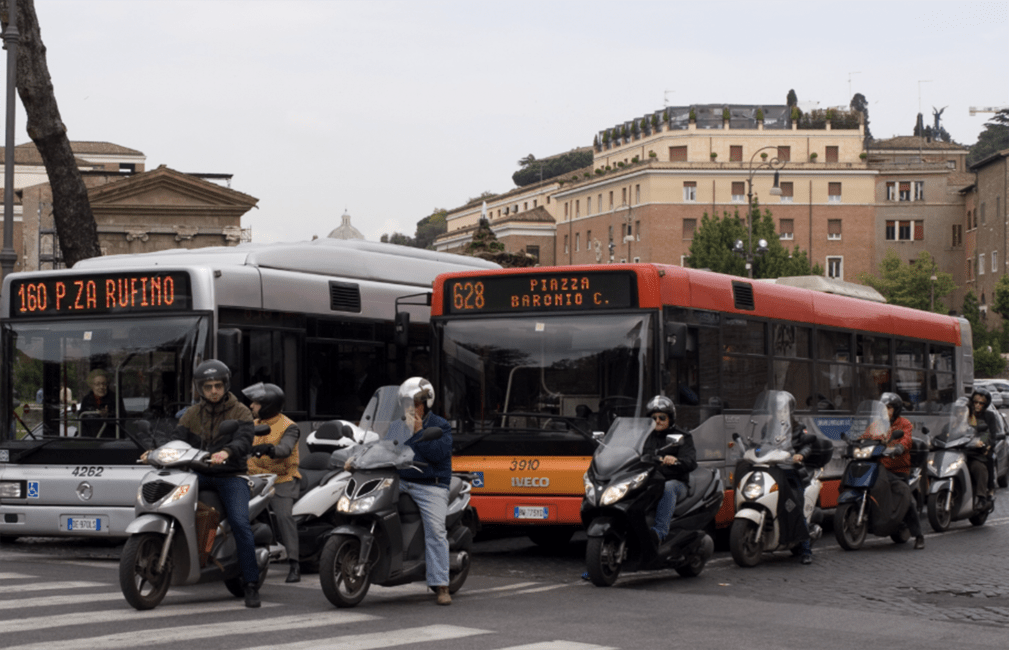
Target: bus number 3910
x=520, y=465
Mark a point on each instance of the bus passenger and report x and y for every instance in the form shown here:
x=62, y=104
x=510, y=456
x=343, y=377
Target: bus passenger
x=200, y=427
x=277, y=453
x=98, y=407
x=675, y=469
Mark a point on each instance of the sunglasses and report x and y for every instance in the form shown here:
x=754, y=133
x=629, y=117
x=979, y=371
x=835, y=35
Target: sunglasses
x=660, y=418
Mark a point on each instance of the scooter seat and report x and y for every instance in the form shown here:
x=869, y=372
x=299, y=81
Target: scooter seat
x=313, y=468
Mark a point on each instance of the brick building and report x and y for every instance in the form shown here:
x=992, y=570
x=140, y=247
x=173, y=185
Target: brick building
x=987, y=231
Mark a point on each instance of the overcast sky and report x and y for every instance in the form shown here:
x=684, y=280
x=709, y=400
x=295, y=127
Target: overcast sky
x=391, y=109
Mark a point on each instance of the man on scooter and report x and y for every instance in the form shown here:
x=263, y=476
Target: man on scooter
x=277, y=453
x=897, y=460
x=980, y=463
x=427, y=485
x=200, y=427
x=783, y=417
x=675, y=469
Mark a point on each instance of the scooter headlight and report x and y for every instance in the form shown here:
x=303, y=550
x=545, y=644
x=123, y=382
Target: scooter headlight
x=955, y=466
x=343, y=505
x=177, y=494
x=618, y=491
x=167, y=455
x=862, y=453
x=355, y=506
x=754, y=488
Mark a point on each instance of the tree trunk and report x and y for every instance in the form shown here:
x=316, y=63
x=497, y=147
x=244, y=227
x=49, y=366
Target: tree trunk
x=75, y=223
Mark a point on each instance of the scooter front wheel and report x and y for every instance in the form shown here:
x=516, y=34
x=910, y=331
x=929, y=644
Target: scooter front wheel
x=603, y=559
x=849, y=534
x=744, y=543
x=340, y=584
x=143, y=585
x=939, y=516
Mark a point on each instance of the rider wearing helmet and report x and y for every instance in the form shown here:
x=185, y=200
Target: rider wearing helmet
x=897, y=459
x=980, y=463
x=429, y=487
x=782, y=406
x=675, y=468
x=200, y=426
x=277, y=453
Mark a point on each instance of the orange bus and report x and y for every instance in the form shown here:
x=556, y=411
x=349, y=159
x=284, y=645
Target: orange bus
x=530, y=362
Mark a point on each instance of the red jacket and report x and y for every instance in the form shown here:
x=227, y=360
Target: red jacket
x=900, y=434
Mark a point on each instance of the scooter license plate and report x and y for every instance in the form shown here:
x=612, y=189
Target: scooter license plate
x=532, y=512
x=91, y=524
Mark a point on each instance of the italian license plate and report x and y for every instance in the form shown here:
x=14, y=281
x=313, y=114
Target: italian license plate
x=92, y=524
x=531, y=512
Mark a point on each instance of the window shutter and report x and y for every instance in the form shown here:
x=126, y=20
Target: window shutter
x=919, y=230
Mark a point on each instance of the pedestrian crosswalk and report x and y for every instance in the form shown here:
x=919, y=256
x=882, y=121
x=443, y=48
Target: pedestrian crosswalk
x=40, y=613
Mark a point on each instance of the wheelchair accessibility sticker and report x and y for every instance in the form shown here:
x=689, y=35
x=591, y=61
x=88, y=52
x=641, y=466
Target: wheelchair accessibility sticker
x=33, y=489
x=478, y=479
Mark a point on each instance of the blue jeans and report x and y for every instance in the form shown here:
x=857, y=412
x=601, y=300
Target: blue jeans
x=433, y=503
x=234, y=493
x=675, y=490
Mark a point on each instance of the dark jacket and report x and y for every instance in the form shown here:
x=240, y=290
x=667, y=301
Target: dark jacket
x=436, y=453
x=200, y=426
x=91, y=423
x=686, y=454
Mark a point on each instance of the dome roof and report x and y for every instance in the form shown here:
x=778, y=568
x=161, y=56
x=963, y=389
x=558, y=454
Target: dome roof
x=345, y=230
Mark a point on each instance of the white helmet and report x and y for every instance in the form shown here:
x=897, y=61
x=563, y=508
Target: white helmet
x=416, y=389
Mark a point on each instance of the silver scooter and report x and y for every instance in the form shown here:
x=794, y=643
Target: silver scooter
x=180, y=536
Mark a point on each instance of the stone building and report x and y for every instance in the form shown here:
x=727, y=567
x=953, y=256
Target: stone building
x=987, y=231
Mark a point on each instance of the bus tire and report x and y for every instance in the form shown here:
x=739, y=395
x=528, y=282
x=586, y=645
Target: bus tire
x=142, y=586
x=744, y=544
x=850, y=536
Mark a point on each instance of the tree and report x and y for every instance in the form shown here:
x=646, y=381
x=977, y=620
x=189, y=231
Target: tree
x=988, y=361
x=75, y=223
x=791, y=100
x=910, y=285
x=430, y=227
x=861, y=105
x=714, y=240
x=534, y=170
x=994, y=138
x=972, y=312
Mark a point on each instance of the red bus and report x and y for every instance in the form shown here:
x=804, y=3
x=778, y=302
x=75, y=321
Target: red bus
x=531, y=361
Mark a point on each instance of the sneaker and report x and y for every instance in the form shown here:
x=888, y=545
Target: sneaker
x=444, y=598
x=251, y=595
x=919, y=542
x=585, y=576
x=294, y=575
x=807, y=558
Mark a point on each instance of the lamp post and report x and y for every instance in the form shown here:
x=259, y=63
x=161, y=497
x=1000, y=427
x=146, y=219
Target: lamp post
x=931, y=292
x=11, y=39
x=775, y=164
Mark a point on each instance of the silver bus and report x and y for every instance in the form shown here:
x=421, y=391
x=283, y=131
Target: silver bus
x=89, y=352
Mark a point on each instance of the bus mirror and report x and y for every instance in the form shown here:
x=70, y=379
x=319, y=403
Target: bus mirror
x=229, y=350
x=676, y=340
x=402, y=332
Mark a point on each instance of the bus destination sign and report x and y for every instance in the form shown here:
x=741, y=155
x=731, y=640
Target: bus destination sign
x=102, y=292
x=548, y=292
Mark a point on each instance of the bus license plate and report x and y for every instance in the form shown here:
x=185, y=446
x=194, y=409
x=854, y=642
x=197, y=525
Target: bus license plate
x=84, y=523
x=530, y=512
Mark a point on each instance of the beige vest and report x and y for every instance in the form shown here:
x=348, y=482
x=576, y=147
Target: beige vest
x=286, y=469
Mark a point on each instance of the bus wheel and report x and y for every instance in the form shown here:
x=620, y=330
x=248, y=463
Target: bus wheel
x=603, y=559
x=143, y=586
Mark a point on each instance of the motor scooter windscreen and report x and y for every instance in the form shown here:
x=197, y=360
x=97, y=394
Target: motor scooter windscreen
x=870, y=421
x=622, y=445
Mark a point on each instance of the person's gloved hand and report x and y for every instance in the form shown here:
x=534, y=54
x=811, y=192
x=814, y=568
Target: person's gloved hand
x=264, y=450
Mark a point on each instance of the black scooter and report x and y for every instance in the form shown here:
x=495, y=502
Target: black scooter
x=381, y=537
x=622, y=489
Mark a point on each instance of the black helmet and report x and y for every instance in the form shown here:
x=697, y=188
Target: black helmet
x=270, y=398
x=662, y=404
x=893, y=399
x=983, y=392
x=211, y=369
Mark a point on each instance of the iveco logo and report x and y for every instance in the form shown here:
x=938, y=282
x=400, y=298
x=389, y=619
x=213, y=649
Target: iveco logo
x=529, y=481
x=84, y=491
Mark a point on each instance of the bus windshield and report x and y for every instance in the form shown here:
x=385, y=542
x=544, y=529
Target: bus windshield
x=544, y=379
x=91, y=378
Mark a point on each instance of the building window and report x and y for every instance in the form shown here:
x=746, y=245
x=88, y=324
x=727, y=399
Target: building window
x=994, y=261
x=738, y=191
x=905, y=230
x=689, y=226
x=599, y=201
x=588, y=239
x=786, y=228
x=534, y=251
x=566, y=250
x=578, y=208
x=611, y=199
x=919, y=190
x=833, y=229
x=904, y=193
x=982, y=214
x=919, y=230
x=957, y=235
x=786, y=192
x=637, y=230
x=683, y=261
x=535, y=203
x=835, y=268
x=506, y=211
x=567, y=206
x=678, y=154
x=623, y=196
x=637, y=194
x=980, y=264
x=834, y=192
x=784, y=154
x=588, y=206
x=525, y=206
x=578, y=241
x=689, y=191
x=735, y=153
x=831, y=154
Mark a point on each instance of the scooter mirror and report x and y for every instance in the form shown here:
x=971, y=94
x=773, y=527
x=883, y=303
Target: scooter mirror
x=431, y=433
x=228, y=427
x=261, y=429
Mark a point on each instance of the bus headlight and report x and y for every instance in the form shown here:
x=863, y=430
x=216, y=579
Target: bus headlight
x=11, y=490
x=617, y=492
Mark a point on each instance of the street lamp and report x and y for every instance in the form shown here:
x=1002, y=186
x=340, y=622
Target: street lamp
x=748, y=252
x=931, y=293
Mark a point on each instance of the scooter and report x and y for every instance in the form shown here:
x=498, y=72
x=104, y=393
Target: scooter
x=381, y=539
x=865, y=504
x=179, y=536
x=951, y=494
x=760, y=480
x=622, y=489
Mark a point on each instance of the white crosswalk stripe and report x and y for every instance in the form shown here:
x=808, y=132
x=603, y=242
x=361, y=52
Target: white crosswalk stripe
x=50, y=586
x=14, y=576
x=387, y=639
